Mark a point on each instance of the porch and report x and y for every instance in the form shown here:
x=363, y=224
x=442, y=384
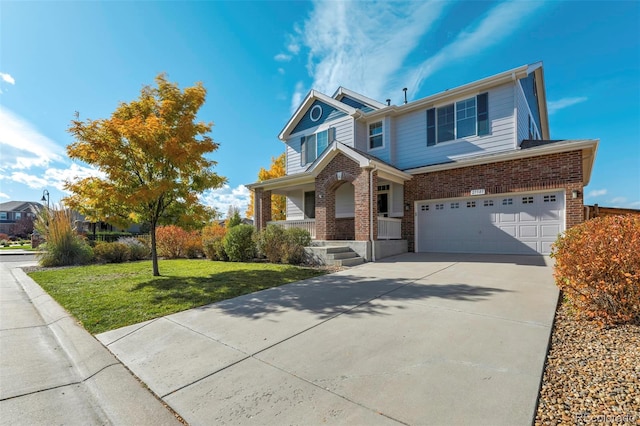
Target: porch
x=389, y=228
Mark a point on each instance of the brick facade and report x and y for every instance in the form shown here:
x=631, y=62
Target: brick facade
x=553, y=171
x=339, y=171
x=262, y=208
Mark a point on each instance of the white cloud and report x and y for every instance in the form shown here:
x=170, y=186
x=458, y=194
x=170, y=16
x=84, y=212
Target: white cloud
x=222, y=198
x=3, y=195
x=495, y=26
x=281, y=71
x=362, y=57
x=618, y=201
x=53, y=177
x=7, y=78
x=282, y=57
x=597, y=193
x=23, y=146
x=298, y=95
x=374, y=62
x=554, y=106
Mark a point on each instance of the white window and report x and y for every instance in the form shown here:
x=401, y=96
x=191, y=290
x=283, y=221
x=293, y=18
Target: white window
x=3, y=215
x=468, y=117
x=549, y=199
x=375, y=135
x=17, y=215
x=488, y=203
x=455, y=205
x=507, y=201
x=471, y=204
x=527, y=200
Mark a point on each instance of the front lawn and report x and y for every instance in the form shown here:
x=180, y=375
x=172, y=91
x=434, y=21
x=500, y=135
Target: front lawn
x=106, y=297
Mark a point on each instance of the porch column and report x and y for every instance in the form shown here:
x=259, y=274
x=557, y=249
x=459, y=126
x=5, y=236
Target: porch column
x=262, y=208
x=365, y=199
x=325, y=213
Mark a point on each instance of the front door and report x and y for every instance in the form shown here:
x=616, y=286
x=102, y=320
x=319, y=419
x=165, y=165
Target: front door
x=310, y=205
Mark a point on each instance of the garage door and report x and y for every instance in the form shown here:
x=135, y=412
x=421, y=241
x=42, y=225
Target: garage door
x=526, y=223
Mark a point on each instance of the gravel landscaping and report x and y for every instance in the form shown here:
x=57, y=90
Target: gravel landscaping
x=592, y=375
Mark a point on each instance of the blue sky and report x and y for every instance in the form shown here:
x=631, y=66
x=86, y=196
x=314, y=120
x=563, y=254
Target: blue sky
x=259, y=59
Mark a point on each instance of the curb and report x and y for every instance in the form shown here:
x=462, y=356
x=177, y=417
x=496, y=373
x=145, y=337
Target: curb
x=120, y=397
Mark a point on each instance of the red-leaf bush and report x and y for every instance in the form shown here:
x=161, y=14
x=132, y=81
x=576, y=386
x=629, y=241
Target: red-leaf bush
x=598, y=268
x=171, y=241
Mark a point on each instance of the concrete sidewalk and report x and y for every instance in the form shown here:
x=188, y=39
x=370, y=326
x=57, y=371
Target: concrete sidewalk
x=52, y=371
x=415, y=339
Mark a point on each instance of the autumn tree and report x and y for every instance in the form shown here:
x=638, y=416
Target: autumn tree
x=23, y=227
x=278, y=202
x=151, y=153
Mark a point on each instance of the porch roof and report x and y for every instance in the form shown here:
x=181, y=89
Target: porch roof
x=385, y=171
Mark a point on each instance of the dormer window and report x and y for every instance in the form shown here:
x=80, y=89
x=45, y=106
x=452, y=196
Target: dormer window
x=468, y=117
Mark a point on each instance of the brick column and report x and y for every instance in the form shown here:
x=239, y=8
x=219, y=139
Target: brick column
x=363, y=201
x=262, y=208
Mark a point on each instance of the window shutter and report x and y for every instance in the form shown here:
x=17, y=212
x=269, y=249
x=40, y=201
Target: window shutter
x=303, y=151
x=483, y=114
x=431, y=127
x=332, y=135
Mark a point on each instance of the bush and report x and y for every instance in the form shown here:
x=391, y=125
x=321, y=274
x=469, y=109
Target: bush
x=293, y=250
x=270, y=243
x=213, y=242
x=280, y=245
x=193, y=245
x=4, y=237
x=112, y=252
x=63, y=245
x=138, y=250
x=598, y=268
x=171, y=241
x=238, y=243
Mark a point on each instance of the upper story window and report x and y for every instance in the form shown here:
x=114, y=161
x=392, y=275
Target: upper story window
x=17, y=215
x=375, y=135
x=313, y=145
x=468, y=117
x=3, y=215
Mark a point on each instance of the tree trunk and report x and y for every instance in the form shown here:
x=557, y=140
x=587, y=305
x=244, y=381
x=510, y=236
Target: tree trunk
x=154, y=252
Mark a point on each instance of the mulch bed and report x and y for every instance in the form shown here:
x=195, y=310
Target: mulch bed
x=592, y=374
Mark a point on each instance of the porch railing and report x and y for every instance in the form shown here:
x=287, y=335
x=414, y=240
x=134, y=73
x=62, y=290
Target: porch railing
x=308, y=224
x=389, y=228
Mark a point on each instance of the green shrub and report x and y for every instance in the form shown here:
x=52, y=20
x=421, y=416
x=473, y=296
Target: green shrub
x=270, y=242
x=63, y=245
x=238, y=243
x=137, y=249
x=598, y=268
x=112, y=252
x=213, y=242
x=296, y=240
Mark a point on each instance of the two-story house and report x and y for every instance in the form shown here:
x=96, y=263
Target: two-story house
x=12, y=212
x=472, y=169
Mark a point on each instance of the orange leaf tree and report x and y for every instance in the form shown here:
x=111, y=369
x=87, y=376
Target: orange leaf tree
x=151, y=153
x=278, y=202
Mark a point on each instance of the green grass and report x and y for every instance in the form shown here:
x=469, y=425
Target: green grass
x=106, y=297
x=20, y=247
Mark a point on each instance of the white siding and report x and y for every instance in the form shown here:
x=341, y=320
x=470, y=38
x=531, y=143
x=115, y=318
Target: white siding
x=522, y=114
x=397, y=200
x=411, y=134
x=295, y=205
x=344, y=131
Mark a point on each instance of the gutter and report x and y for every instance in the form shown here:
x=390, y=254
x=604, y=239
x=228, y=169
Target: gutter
x=373, y=243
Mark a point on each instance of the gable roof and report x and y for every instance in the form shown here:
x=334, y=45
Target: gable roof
x=312, y=96
x=343, y=91
x=20, y=206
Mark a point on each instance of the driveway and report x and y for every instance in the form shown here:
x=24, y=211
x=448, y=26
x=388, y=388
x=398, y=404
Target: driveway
x=414, y=339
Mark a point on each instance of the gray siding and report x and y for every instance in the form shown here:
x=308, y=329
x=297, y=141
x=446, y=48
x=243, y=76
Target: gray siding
x=361, y=136
x=411, y=135
x=328, y=113
x=293, y=156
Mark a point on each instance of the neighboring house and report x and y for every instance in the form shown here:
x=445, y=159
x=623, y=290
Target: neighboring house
x=243, y=221
x=13, y=211
x=471, y=169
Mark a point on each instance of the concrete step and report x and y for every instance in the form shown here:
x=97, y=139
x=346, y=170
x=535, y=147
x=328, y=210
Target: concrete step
x=349, y=262
x=342, y=255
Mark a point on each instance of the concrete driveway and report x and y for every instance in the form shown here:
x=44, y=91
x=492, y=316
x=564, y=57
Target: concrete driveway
x=415, y=339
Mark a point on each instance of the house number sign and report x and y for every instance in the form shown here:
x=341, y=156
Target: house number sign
x=477, y=192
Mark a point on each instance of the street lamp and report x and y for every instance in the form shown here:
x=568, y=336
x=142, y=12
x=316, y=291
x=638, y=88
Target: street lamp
x=45, y=197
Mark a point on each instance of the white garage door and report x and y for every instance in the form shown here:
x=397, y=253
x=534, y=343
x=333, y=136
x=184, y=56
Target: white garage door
x=526, y=223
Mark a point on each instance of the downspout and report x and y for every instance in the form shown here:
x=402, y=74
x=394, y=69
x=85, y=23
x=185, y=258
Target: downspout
x=373, y=243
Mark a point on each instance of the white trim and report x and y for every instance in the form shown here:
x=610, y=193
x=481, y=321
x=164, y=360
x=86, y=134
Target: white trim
x=377, y=148
x=311, y=112
x=343, y=91
x=535, y=125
